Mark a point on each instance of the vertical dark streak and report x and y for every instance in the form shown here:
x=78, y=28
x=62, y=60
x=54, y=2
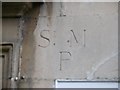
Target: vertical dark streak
x=60, y=61
x=84, y=36
x=74, y=36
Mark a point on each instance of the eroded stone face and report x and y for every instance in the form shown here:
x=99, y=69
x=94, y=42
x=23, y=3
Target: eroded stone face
x=72, y=41
x=78, y=44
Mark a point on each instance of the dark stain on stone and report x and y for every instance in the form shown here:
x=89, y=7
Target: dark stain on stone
x=68, y=41
x=28, y=51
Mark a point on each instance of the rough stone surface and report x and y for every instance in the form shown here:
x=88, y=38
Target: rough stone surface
x=76, y=41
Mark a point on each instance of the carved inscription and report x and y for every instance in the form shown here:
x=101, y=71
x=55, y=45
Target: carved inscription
x=45, y=38
x=84, y=37
x=74, y=36
x=64, y=56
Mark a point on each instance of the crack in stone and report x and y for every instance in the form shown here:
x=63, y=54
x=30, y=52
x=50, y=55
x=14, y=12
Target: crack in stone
x=90, y=75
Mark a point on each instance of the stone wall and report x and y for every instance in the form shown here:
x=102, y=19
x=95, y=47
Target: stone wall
x=76, y=41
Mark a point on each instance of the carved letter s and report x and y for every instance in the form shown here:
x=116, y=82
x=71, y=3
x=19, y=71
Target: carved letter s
x=42, y=36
